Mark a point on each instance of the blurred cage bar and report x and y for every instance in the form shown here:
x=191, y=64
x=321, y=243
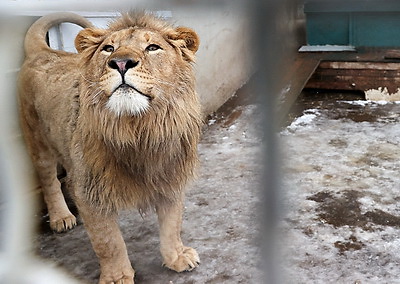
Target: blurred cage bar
x=273, y=40
x=17, y=262
x=18, y=265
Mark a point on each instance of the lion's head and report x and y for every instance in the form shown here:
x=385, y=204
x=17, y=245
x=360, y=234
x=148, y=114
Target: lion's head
x=137, y=62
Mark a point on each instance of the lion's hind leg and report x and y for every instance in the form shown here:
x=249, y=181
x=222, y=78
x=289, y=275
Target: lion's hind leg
x=61, y=219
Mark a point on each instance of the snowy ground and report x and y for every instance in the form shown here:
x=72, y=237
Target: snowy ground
x=220, y=220
x=342, y=191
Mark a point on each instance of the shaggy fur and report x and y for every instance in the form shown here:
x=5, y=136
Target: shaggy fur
x=122, y=117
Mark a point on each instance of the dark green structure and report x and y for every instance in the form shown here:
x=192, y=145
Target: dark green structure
x=374, y=23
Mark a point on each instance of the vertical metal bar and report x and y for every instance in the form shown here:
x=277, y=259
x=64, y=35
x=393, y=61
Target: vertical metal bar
x=16, y=209
x=270, y=42
x=56, y=37
x=17, y=262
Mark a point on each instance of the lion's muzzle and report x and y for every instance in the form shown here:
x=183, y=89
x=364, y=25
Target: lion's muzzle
x=126, y=99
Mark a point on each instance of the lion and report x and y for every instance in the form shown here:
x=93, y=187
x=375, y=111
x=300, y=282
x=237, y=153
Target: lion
x=123, y=119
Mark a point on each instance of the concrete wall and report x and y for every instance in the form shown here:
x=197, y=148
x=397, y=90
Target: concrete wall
x=224, y=57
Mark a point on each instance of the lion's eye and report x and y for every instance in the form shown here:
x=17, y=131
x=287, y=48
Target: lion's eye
x=153, y=47
x=108, y=48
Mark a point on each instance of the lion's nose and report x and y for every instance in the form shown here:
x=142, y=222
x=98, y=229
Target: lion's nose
x=122, y=65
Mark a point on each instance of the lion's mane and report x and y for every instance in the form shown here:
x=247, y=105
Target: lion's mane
x=144, y=159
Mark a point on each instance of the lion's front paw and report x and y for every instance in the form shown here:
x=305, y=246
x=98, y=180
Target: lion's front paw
x=63, y=224
x=125, y=276
x=185, y=261
x=123, y=280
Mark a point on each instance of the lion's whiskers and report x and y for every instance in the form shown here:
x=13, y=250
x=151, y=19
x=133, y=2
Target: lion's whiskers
x=97, y=95
x=164, y=82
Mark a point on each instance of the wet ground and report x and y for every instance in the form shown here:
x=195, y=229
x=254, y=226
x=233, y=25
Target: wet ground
x=342, y=190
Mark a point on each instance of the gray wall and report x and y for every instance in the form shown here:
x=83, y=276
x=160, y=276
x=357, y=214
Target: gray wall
x=224, y=58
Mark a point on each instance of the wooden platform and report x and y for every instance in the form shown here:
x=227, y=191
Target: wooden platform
x=360, y=71
x=365, y=69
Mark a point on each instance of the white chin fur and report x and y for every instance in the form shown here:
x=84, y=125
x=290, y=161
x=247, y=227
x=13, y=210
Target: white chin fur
x=127, y=102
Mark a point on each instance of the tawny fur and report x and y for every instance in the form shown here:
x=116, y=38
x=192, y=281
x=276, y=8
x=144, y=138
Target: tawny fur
x=114, y=162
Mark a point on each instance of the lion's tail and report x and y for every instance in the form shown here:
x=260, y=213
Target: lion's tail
x=35, y=39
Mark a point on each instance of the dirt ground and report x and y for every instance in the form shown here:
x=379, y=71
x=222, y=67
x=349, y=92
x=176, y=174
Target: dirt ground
x=220, y=220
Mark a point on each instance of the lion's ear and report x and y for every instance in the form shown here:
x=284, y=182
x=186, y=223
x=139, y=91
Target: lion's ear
x=88, y=37
x=190, y=37
x=188, y=40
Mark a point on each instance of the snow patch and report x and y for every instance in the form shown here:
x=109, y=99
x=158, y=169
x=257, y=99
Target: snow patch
x=382, y=95
x=357, y=103
x=303, y=121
